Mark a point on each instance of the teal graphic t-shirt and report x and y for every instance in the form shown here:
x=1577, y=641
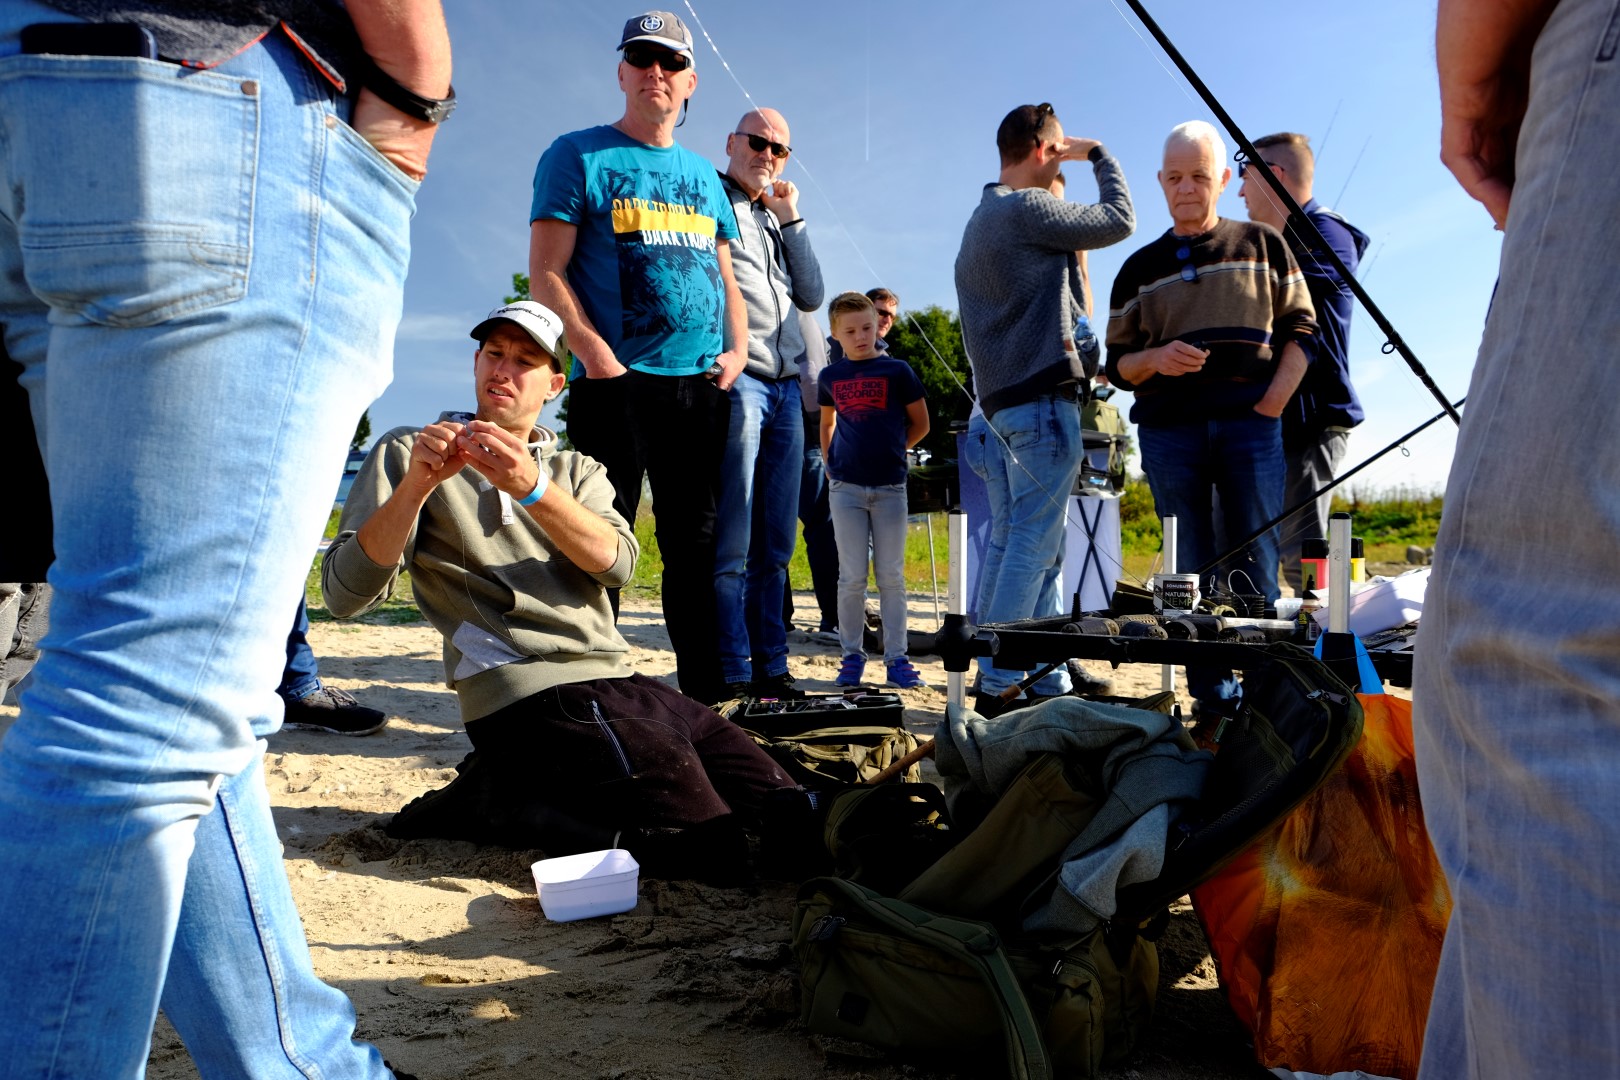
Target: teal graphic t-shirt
x=645, y=266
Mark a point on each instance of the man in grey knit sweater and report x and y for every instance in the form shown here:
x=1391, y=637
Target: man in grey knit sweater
x=1019, y=291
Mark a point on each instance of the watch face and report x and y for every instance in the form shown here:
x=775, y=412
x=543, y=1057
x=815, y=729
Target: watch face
x=441, y=111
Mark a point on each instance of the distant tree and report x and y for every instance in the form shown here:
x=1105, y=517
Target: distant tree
x=930, y=341
x=362, y=431
x=520, y=291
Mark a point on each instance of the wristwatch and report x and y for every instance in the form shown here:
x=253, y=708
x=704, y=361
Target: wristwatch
x=412, y=104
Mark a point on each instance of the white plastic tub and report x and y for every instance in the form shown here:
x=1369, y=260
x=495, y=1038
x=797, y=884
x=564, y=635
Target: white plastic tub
x=586, y=885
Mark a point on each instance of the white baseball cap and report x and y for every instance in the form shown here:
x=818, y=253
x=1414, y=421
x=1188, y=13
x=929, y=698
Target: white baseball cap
x=536, y=320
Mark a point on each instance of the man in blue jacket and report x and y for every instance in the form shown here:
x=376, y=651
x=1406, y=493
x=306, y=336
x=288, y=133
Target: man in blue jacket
x=1317, y=422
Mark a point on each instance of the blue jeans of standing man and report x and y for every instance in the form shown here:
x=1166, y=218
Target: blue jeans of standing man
x=201, y=275
x=820, y=545
x=1032, y=456
x=756, y=529
x=1517, y=693
x=870, y=519
x=1241, y=459
x=302, y=674
x=982, y=455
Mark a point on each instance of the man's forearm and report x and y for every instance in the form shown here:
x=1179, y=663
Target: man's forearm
x=1290, y=369
x=1135, y=367
x=1475, y=40
x=382, y=536
x=408, y=40
x=588, y=541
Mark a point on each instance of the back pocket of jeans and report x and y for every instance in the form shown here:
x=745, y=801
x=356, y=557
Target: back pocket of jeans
x=134, y=183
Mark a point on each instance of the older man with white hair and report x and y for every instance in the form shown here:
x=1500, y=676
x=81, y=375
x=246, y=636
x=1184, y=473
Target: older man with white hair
x=1211, y=325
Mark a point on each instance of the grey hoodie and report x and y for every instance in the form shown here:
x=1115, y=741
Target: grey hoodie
x=776, y=271
x=517, y=616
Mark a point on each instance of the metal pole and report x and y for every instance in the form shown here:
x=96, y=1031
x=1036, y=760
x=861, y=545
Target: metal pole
x=956, y=534
x=1167, y=527
x=1339, y=573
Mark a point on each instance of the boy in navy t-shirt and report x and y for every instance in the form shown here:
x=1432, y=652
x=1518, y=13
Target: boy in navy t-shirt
x=872, y=411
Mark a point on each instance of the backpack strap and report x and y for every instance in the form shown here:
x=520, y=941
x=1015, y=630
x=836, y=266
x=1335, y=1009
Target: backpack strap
x=974, y=943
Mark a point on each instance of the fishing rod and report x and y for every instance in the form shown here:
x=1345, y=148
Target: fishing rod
x=1451, y=410
x=1296, y=219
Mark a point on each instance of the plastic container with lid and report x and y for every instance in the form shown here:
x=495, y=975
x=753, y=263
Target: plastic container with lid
x=586, y=885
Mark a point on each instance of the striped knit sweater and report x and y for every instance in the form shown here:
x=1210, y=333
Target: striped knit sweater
x=1246, y=300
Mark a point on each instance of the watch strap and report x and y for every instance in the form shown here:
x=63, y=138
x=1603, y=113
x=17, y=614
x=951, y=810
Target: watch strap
x=412, y=104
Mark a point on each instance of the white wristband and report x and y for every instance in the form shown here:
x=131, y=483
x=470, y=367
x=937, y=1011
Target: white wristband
x=539, y=489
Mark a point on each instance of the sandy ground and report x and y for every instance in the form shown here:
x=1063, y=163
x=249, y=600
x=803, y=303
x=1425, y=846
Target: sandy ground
x=455, y=972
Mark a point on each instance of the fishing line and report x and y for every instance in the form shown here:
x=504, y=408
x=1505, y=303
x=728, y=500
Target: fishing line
x=861, y=254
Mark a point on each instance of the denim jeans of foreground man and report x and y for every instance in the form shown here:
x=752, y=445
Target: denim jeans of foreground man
x=755, y=532
x=874, y=516
x=1032, y=456
x=201, y=275
x=1517, y=696
x=1241, y=459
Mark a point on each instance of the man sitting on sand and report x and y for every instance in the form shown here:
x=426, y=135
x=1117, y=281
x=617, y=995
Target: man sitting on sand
x=512, y=545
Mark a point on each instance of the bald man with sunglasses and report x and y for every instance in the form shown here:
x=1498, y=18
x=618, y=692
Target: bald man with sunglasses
x=778, y=276
x=628, y=244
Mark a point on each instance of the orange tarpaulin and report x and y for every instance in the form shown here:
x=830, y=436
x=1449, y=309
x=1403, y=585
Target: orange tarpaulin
x=1327, y=930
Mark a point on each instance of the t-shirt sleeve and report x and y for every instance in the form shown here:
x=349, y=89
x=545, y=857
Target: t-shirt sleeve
x=559, y=184
x=725, y=219
x=911, y=386
x=824, y=390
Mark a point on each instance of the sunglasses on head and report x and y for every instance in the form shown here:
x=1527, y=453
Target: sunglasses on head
x=643, y=57
x=1243, y=167
x=757, y=143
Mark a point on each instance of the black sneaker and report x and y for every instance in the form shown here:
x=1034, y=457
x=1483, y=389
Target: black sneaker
x=777, y=686
x=737, y=691
x=326, y=708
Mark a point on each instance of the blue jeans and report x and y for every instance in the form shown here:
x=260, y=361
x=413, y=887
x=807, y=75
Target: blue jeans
x=1517, y=690
x=201, y=276
x=755, y=533
x=981, y=453
x=1032, y=456
x=1240, y=460
x=870, y=519
x=820, y=545
x=302, y=673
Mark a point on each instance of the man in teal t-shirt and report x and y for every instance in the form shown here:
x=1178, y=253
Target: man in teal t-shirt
x=627, y=244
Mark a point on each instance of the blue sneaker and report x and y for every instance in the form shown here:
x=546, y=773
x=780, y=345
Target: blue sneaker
x=906, y=677
x=852, y=671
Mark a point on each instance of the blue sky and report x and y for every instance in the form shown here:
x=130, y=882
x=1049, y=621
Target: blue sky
x=893, y=108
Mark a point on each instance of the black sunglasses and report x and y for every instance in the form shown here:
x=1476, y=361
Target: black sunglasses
x=757, y=143
x=1243, y=166
x=645, y=56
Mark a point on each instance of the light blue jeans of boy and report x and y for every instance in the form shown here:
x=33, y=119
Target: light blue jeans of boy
x=1032, y=456
x=870, y=519
x=1516, y=704
x=201, y=272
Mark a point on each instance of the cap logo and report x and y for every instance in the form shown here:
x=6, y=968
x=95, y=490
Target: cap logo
x=652, y=24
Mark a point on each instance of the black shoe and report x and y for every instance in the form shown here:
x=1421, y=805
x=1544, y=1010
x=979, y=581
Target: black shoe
x=991, y=706
x=737, y=691
x=1086, y=684
x=326, y=708
x=777, y=686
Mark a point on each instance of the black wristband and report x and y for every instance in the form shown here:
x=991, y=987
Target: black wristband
x=785, y=224
x=1095, y=154
x=412, y=104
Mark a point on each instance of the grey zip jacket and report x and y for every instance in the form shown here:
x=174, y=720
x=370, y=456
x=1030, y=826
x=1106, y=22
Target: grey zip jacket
x=776, y=272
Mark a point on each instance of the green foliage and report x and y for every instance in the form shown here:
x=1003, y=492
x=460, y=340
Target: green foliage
x=1138, y=521
x=930, y=341
x=520, y=289
x=1394, y=515
x=362, y=431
